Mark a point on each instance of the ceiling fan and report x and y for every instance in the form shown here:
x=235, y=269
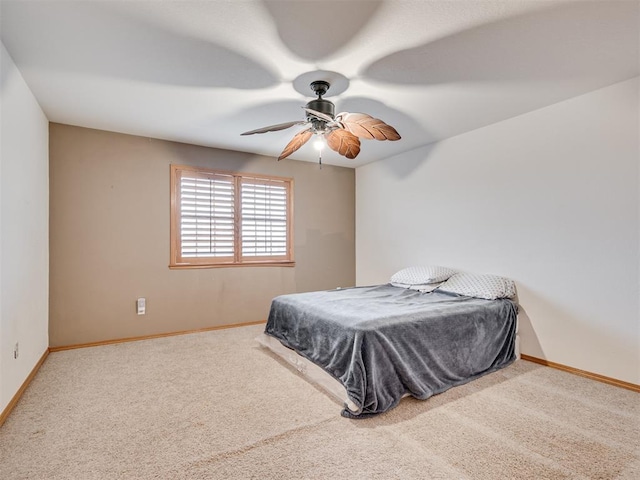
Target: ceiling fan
x=341, y=132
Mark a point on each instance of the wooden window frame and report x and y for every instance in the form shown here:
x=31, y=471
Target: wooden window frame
x=179, y=262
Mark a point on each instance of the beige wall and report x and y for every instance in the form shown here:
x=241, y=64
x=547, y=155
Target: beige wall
x=109, y=238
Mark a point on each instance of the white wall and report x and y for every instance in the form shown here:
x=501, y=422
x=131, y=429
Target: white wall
x=550, y=199
x=24, y=230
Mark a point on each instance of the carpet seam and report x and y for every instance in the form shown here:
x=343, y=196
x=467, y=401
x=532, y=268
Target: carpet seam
x=229, y=454
x=438, y=460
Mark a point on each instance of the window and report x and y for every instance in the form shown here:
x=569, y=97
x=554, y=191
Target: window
x=223, y=218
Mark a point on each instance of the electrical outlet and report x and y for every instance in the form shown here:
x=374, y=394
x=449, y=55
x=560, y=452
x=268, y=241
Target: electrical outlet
x=141, y=306
x=16, y=350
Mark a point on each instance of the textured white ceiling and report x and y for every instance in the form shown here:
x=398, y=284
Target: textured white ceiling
x=202, y=72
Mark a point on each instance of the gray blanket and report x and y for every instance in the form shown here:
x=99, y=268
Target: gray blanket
x=381, y=342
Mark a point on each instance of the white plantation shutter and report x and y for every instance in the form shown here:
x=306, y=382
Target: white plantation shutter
x=207, y=216
x=264, y=217
x=227, y=218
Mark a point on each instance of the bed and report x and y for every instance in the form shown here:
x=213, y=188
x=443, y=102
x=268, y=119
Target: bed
x=371, y=346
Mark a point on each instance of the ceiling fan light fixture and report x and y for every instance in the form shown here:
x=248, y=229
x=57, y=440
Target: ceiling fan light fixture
x=342, y=133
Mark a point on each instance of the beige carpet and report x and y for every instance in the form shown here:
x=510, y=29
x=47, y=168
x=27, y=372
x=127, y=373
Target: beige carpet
x=216, y=406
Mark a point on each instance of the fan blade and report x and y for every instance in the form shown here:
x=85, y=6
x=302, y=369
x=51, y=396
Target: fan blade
x=367, y=127
x=296, y=142
x=343, y=142
x=274, y=128
x=320, y=115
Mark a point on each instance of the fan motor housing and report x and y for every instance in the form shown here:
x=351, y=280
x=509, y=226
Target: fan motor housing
x=323, y=106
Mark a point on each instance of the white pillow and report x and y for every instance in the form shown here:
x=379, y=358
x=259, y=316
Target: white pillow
x=490, y=287
x=422, y=275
